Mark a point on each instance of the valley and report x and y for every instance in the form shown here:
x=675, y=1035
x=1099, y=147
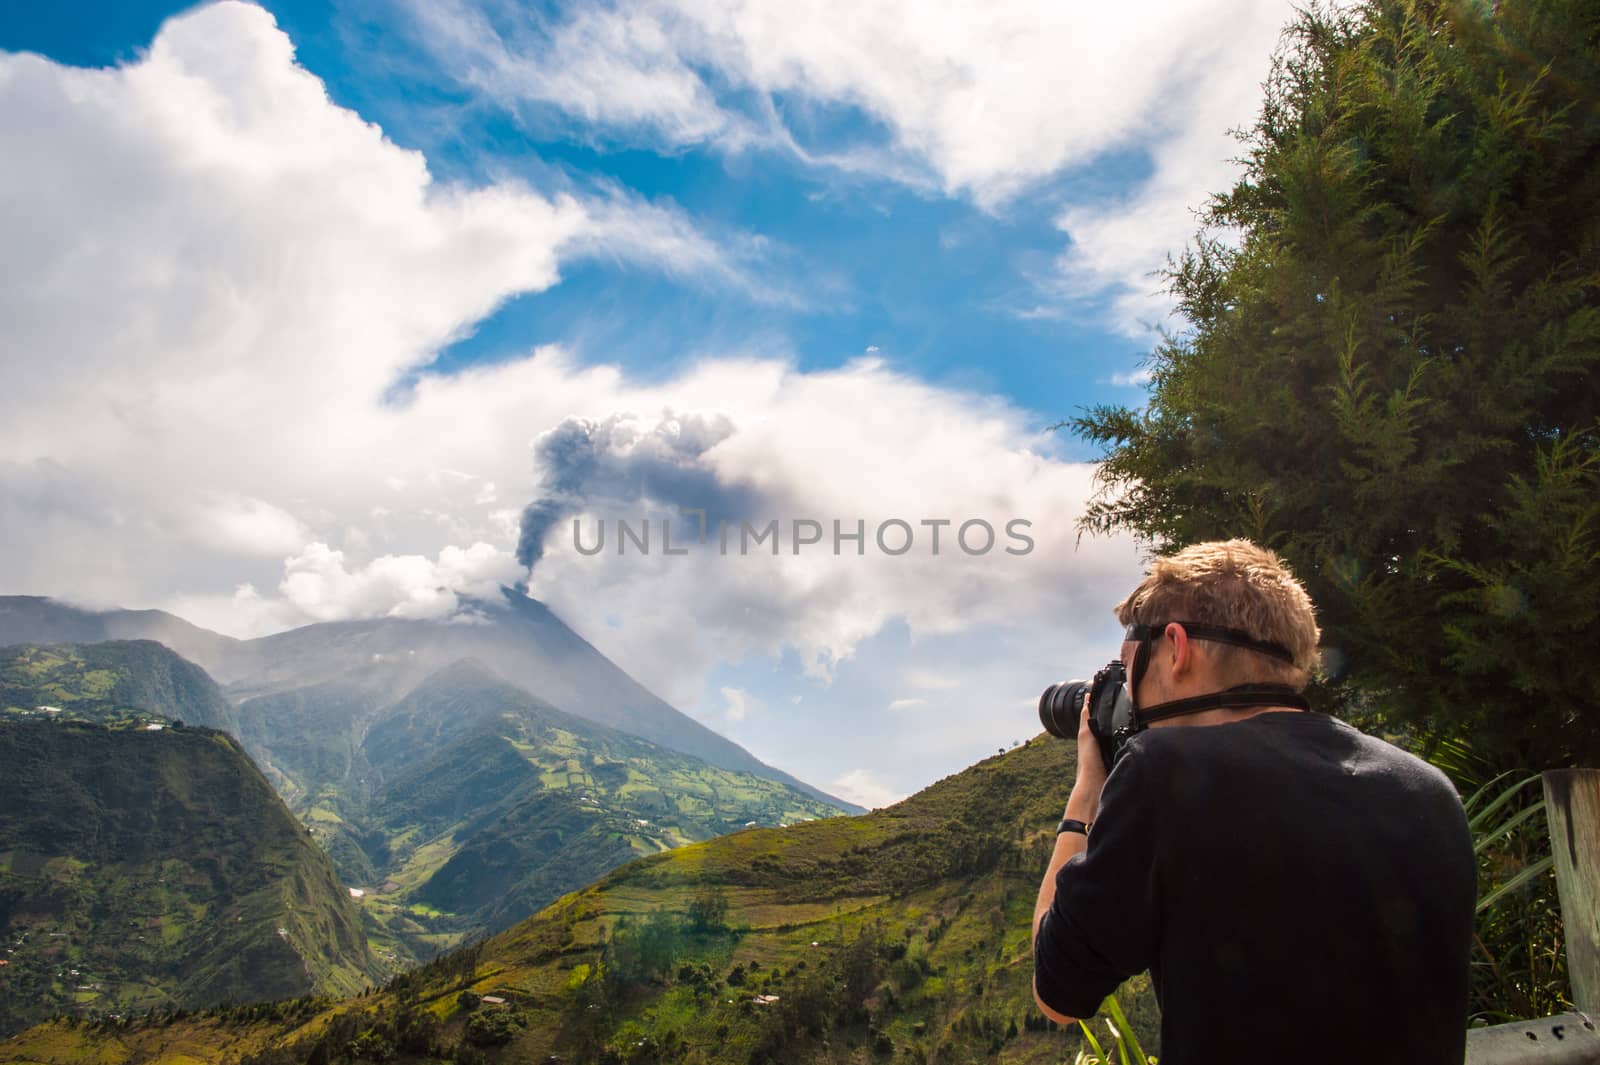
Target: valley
x=467, y=804
x=901, y=933
x=441, y=801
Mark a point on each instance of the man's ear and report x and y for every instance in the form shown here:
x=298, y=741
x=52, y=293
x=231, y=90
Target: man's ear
x=1183, y=650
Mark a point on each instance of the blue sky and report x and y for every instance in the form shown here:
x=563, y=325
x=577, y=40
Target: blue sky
x=847, y=260
x=936, y=284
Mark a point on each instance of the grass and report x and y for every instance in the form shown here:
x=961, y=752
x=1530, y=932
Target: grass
x=936, y=891
x=423, y=863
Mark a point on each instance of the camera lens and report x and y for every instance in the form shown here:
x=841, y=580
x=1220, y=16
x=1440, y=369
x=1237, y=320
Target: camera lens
x=1060, y=706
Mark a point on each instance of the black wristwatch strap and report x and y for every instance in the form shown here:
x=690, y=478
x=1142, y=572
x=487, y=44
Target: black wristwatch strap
x=1071, y=824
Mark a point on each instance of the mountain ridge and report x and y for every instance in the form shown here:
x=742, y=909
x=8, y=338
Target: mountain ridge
x=517, y=636
x=40, y=619
x=112, y=680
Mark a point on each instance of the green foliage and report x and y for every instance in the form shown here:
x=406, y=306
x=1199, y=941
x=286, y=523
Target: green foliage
x=933, y=962
x=352, y=1038
x=371, y=1045
x=1393, y=377
x=145, y=870
x=829, y=996
x=709, y=911
x=120, y=682
x=483, y=803
x=1519, y=968
x=639, y=953
x=1125, y=1044
x=494, y=1027
x=457, y=969
x=876, y=937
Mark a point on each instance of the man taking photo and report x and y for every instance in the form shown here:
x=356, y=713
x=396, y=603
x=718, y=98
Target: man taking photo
x=1299, y=890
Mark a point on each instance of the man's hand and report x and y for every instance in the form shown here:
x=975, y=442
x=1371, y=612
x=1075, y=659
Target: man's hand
x=1085, y=799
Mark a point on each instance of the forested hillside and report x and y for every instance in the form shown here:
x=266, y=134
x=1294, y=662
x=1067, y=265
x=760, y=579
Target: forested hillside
x=119, y=680
x=146, y=869
x=903, y=932
x=464, y=804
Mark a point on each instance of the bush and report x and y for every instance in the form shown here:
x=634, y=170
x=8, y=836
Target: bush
x=496, y=1027
x=637, y=954
x=371, y=1046
x=709, y=911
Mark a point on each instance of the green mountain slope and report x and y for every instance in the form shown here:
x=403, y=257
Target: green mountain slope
x=898, y=935
x=142, y=868
x=521, y=640
x=516, y=636
x=467, y=804
x=121, y=680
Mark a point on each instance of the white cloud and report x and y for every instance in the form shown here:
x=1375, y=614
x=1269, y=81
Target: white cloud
x=620, y=226
x=907, y=704
x=218, y=282
x=1133, y=379
x=829, y=446
x=317, y=582
x=615, y=67
x=243, y=526
x=216, y=278
x=243, y=613
x=985, y=98
x=1117, y=247
x=864, y=788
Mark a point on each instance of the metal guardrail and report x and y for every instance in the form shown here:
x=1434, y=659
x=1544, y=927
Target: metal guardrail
x=1565, y=1039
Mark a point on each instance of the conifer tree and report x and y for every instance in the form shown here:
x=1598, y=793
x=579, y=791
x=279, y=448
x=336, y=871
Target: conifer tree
x=1390, y=371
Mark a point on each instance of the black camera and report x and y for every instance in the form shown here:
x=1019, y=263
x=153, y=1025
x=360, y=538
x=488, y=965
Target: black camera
x=1113, y=721
x=1111, y=716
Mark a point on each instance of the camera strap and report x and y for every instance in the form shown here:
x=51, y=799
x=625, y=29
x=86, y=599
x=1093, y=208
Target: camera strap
x=1214, y=633
x=1240, y=697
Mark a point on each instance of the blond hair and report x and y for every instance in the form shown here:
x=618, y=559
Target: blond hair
x=1237, y=585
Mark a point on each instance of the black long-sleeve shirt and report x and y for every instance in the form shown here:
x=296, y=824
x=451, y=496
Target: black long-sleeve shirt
x=1299, y=890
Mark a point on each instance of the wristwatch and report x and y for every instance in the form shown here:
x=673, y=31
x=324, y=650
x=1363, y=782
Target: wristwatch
x=1071, y=824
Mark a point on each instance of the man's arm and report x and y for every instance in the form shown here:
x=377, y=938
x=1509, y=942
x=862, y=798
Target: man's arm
x=1081, y=806
x=1101, y=919
x=1067, y=844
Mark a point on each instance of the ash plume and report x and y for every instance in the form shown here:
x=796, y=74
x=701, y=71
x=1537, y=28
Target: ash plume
x=621, y=460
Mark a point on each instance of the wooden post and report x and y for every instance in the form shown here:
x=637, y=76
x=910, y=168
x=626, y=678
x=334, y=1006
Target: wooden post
x=1572, y=805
